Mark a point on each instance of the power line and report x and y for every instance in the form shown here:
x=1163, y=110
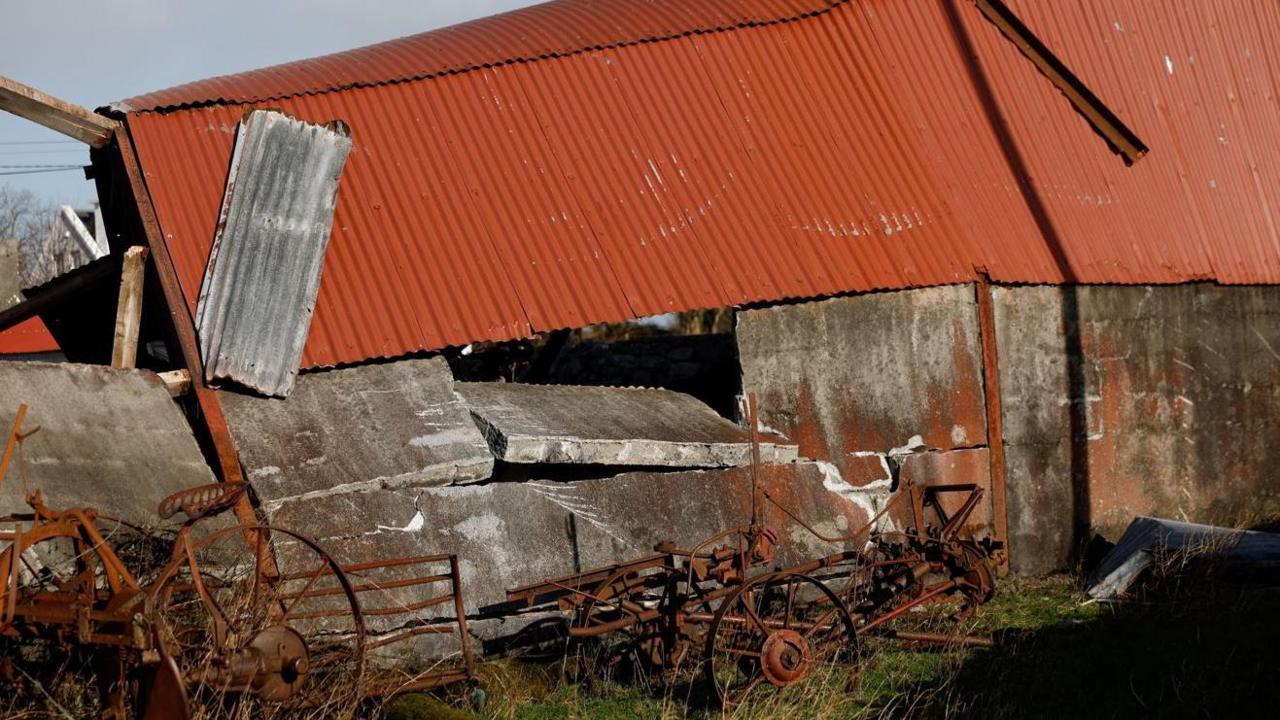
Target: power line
x=29, y=166
x=40, y=142
x=49, y=169
x=40, y=152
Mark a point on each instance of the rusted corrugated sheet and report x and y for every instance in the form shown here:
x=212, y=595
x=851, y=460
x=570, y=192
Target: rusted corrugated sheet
x=798, y=152
x=547, y=30
x=265, y=265
x=27, y=337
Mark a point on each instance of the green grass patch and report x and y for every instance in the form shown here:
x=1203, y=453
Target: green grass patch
x=1200, y=647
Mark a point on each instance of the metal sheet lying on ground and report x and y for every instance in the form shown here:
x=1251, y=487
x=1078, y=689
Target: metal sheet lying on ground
x=609, y=426
x=393, y=425
x=651, y=157
x=264, y=268
x=101, y=430
x=1150, y=541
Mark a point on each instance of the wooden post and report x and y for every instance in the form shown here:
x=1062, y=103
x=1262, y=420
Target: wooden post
x=124, y=353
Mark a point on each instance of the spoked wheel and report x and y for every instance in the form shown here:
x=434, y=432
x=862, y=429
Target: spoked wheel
x=971, y=568
x=772, y=633
x=250, y=635
x=631, y=649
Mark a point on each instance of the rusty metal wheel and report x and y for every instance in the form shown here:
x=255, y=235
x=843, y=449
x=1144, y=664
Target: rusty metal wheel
x=772, y=633
x=624, y=650
x=255, y=617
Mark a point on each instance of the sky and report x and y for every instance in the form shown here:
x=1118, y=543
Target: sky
x=91, y=53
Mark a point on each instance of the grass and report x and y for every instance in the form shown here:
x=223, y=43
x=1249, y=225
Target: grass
x=1191, y=644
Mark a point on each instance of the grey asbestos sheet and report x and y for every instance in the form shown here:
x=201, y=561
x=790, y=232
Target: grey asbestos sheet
x=389, y=425
x=609, y=426
x=110, y=439
x=263, y=274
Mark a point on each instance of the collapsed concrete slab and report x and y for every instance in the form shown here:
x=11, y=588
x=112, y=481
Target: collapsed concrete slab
x=110, y=439
x=643, y=427
x=510, y=534
x=379, y=426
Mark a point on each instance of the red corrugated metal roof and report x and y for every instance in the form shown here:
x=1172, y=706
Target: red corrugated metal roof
x=790, y=155
x=540, y=31
x=28, y=336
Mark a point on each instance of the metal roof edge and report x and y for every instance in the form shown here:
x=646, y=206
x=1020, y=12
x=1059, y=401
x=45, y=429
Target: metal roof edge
x=119, y=108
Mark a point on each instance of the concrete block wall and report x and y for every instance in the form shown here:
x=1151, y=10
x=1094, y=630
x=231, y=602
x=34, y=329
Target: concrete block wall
x=1117, y=401
x=874, y=383
x=1175, y=412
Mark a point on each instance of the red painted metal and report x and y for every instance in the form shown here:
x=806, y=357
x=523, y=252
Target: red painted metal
x=651, y=157
x=28, y=336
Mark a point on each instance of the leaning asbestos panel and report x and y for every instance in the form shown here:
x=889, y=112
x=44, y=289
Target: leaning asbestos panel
x=609, y=426
x=264, y=269
x=110, y=439
x=377, y=426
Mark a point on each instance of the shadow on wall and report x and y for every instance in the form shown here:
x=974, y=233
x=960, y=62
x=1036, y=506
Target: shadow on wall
x=1070, y=317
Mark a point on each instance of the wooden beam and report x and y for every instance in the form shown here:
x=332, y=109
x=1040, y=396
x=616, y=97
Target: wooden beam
x=61, y=116
x=1122, y=140
x=57, y=291
x=124, y=352
x=178, y=382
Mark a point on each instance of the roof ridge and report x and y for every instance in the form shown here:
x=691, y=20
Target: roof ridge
x=736, y=15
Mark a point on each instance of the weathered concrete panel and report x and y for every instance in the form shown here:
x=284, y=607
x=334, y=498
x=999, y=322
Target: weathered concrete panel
x=378, y=426
x=509, y=534
x=1036, y=410
x=868, y=373
x=608, y=426
x=1181, y=398
x=111, y=439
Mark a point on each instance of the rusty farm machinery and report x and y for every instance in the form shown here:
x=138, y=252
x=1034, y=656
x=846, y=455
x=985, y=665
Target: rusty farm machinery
x=239, y=618
x=722, y=609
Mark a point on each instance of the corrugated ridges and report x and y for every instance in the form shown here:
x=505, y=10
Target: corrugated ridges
x=264, y=269
x=852, y=150
x=547, y=30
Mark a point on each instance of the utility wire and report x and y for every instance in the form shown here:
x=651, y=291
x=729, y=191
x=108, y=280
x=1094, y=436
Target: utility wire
x=30, y=166
x=40, y=142
x=51, y=151
x=54, y=169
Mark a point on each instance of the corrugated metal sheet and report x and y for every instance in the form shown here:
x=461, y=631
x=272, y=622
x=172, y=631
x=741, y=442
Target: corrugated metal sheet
x=27, y=337
x=265, y=265
x=547, y=30
x=878, y=144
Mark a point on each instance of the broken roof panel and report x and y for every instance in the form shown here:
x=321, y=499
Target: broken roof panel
x=264, y=268
x=379, y=426
x=753, y=151
x=101, y=430
x=609, y=426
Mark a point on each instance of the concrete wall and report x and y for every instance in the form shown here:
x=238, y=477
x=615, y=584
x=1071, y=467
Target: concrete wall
x=876, y=384
x=1174, y=410
x=1117, y=401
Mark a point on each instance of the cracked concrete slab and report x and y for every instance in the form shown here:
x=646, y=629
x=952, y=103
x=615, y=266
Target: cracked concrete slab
x=110, y=439
x=639, y=427
x=510, y=534
x=393, y=425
